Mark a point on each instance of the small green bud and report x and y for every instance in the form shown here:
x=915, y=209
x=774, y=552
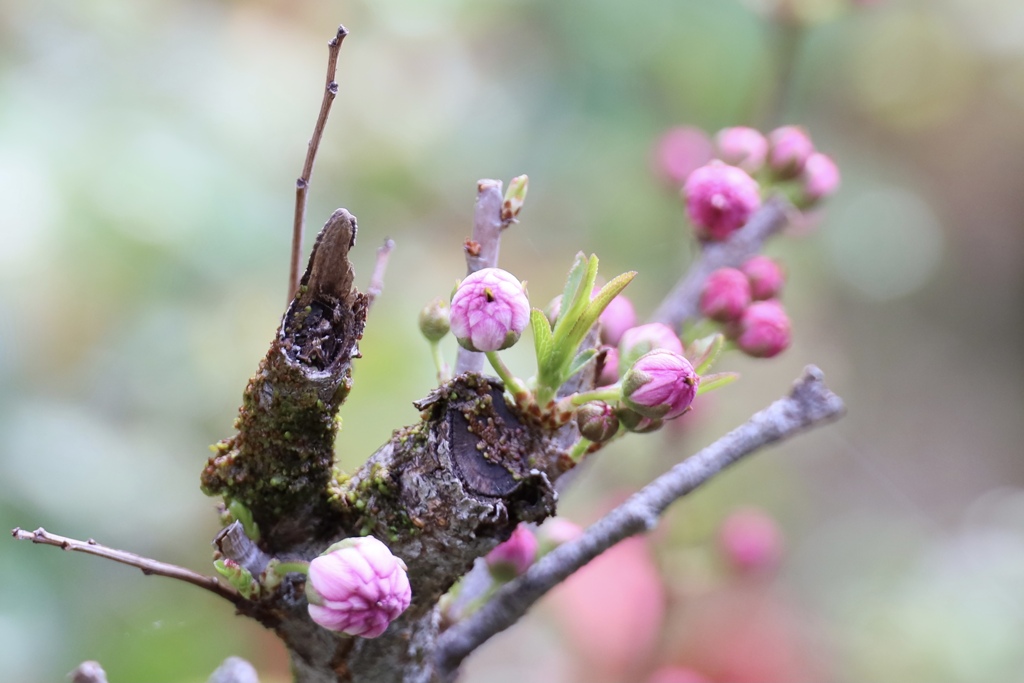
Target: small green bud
x=514, y=198
x=434, y=320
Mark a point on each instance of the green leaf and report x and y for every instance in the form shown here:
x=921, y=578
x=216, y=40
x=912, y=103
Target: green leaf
x=716, y=381
x=541, y=337
x=703, y=352
x=581, y=359
x=600, y=302
x=572, y=286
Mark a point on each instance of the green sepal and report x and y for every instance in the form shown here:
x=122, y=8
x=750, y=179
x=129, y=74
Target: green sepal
x=716, y=381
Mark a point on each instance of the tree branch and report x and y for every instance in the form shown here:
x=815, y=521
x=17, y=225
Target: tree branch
x=302, y=184
x=376, y=286
x=810, y=403
x=482, y=252
x=148, y=566
x=682, y=302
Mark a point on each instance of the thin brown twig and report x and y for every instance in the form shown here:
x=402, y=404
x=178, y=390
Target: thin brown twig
x=302, y=184
x=376, y=285
x=146, y=565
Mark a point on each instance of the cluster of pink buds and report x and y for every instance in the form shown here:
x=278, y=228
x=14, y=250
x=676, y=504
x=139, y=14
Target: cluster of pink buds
x=725, y=188
x=745, y=301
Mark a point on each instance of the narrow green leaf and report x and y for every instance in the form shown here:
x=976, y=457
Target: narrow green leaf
x=716, y=381
x=541, y=337
x=572, y=286
x=601, y=301
x=581, y=359
x=705, y=352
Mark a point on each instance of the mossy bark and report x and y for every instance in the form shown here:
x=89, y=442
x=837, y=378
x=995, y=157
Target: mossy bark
x=440, y=493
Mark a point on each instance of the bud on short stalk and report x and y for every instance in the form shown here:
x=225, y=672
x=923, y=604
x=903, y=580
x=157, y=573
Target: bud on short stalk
x=660, y=385
x=765, y=276
x=433, y=320
x=642, y=339
x=597, y=421
x=513, y=557
x=725, y=295
x=820, y=179
x=744, y=147
x=489, y=310
x=720, y=199
x=357, y=587
x=764, y=330
x=634, y=422
x=789, y=149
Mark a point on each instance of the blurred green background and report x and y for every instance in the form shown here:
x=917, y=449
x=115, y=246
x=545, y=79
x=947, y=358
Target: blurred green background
x=148, y=152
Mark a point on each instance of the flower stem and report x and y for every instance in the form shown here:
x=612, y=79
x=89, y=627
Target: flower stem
x=609, y=394
x=580, y=449
x=444, y=373
x=513, y=385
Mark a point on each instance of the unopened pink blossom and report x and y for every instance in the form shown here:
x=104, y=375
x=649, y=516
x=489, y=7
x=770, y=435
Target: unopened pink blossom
x=680, y=151
x=514, y=556
x=741, y=146
x=641, y=339
x=677, y=674
x=609, y=368
x=617, y=317
x=597, y=421
x=820, y=177
x=559, y=530
x=660, y=385
x=720, y=199
x=751, y=540
x=765, y=275
x=726, y=294
x=357, y=587
x=489, y=310
x=764, y=330
x=789, y=149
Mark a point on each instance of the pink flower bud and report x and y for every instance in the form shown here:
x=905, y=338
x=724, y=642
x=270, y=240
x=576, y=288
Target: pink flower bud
x=610, y=368
x=559, y=530
x=720, y=199
x=790, y=147
x=743, y=147
x=616, y=318
x=513, y=557
x=597, y=421
x=766, y=277
x=750, y=540
x=639, y=340
x=764, y=329
x=677, y=674
x=680, y=151
x=660, y=385
x=489, y=310
x=820, y=178
x=357, y=587
x=725, y=295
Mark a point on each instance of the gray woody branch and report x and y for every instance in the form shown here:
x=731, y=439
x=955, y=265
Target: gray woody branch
x=809, y=404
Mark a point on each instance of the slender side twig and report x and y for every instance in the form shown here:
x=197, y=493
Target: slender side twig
x=376, y=285
x=482, y=252
x=148, y=566
x=682, y=302
x=302, y=184
x=810, y=403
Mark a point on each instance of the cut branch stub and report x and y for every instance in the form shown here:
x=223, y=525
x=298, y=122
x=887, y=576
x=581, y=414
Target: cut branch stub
x=280, y=462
